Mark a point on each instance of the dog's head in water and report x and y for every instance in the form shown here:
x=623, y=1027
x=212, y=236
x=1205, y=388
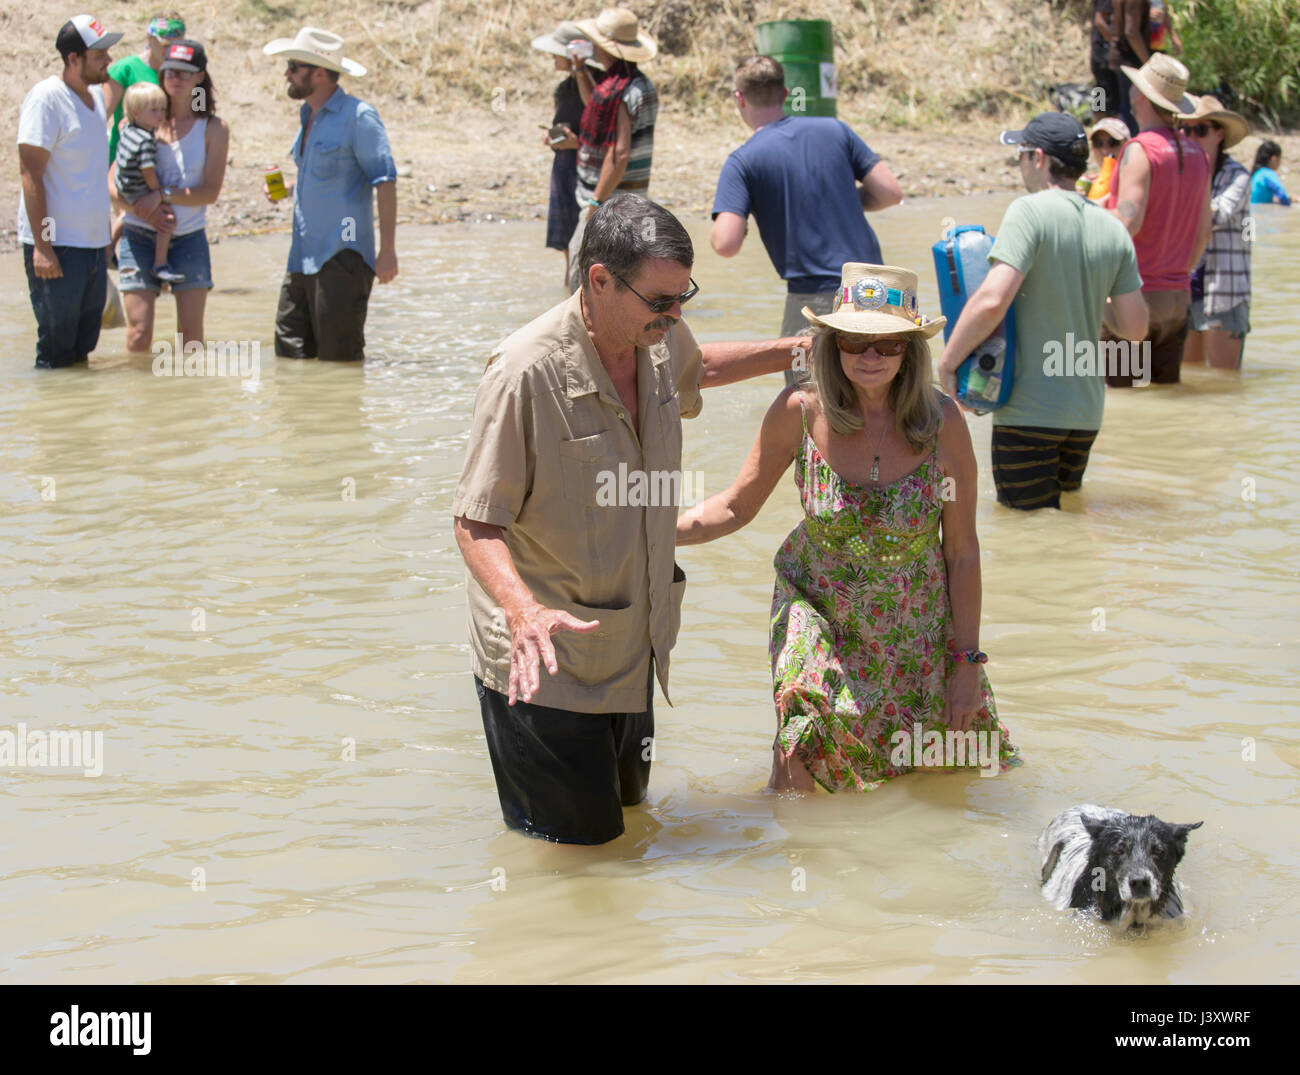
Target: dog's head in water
x=1137, y=857
x=1116, y=864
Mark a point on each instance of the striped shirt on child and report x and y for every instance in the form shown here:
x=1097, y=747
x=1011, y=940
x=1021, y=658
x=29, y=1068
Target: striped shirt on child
x=136, y=149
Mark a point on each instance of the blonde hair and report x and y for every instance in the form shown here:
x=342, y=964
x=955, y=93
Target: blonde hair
x=143, y=95
x=912, y=397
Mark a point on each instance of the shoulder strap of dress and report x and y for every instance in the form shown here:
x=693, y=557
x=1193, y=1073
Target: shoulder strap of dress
x=803, y=414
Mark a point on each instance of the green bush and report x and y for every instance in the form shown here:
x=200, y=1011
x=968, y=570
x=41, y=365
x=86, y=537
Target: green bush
x=1252, y=45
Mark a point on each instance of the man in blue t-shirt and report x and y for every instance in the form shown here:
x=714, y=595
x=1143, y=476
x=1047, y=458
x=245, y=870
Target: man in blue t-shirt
x=806, y=180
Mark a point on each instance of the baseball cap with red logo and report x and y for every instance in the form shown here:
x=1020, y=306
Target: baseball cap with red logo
x=184, y=56
x=82, y=32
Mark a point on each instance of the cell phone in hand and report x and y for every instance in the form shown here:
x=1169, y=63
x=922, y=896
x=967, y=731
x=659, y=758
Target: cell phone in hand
x=558, y=133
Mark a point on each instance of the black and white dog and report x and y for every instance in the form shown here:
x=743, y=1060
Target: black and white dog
x=1118, y=865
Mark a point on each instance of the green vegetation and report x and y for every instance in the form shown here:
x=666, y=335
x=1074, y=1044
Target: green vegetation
x=1252, y=45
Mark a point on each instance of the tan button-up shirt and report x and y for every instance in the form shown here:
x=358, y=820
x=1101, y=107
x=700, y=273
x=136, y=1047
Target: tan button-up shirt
x=548, y=436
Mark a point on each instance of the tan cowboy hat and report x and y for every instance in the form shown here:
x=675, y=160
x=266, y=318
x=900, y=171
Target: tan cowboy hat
x=317, y=47
x=615, y=30
x=1235, y=127
x=874, y=300
x=1162, y=80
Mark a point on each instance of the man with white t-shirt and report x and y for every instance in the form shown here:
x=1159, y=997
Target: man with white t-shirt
x=63, y=210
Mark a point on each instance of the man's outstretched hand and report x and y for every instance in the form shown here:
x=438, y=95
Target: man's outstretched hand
x=530, y=641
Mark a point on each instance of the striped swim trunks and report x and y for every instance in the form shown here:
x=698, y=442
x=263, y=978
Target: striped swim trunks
x=1032, y=465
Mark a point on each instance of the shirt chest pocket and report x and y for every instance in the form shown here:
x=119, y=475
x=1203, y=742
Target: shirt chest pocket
x=325, y=160
x=587, y=464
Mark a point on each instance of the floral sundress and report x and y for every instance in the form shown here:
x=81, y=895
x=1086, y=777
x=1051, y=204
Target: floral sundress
x=861, y=628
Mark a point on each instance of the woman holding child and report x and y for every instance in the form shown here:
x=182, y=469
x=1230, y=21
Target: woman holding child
x=191, y=166
x=875, y=616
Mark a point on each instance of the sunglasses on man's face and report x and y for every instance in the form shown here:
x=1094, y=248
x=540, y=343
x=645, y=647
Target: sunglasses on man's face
x=856, y=345
x=1200, y=130
x=294, y=66
x=661, y=306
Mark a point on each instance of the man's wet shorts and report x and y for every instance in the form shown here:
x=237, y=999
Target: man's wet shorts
x=1032, y=466
x=566, y=776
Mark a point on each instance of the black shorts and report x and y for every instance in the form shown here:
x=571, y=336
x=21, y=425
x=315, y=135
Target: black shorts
x=1032, y=465
x=566, y=776
x=323, y=314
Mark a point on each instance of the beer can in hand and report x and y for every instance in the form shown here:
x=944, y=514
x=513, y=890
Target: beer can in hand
x=275, y=183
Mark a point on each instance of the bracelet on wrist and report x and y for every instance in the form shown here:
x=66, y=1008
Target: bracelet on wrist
x=970, y=656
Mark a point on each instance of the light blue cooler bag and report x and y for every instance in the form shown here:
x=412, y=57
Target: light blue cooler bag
x=961, y=262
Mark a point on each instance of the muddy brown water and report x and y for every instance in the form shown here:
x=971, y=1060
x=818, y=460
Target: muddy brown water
x=232, y=838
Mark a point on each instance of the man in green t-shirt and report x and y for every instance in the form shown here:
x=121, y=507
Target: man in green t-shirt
x=1066, y=265
x=143, y=67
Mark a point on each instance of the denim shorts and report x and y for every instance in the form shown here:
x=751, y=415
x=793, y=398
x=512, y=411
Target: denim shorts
x=187, y=254
x=1235, y=321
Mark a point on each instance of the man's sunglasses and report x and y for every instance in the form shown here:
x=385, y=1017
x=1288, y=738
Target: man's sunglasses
x=295, y=66
x=1200, y=130
x=660, y=306
x=855, y=345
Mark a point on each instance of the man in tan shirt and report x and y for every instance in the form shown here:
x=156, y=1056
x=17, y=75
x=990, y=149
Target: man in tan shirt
x=570, y=558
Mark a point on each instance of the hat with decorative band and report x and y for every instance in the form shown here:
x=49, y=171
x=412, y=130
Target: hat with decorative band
x=876, y=300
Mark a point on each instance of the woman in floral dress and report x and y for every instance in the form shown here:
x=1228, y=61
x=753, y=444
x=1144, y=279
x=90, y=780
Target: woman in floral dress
x=875, y=616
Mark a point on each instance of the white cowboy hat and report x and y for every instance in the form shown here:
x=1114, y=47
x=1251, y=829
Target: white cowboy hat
x=554, y=43
x=874, y=300
x=317, y=47
x=615, y=30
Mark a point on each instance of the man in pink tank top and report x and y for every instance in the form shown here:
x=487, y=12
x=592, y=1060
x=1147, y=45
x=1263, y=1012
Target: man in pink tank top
x=1162, y=195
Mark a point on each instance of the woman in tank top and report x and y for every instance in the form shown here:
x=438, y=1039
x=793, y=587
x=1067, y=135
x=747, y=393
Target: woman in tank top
x=192, y=149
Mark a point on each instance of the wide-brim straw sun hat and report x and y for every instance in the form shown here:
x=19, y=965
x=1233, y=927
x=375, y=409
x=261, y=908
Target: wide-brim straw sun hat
x=556, y=41
x=1162, y=80
x=876, y=300
x=320, y=48
x=1235, y=127
x=615, y=30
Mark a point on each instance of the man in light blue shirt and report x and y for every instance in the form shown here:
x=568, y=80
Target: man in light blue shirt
x=342, y=153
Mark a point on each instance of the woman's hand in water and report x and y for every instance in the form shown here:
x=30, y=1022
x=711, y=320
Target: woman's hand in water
x=964, y=697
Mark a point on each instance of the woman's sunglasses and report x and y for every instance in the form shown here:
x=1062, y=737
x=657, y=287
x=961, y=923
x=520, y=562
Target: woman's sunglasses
x=1200, y=130
x=856, y=345
x=1106, y=143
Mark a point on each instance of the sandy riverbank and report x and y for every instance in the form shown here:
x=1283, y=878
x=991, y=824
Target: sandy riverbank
x=462, y=95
